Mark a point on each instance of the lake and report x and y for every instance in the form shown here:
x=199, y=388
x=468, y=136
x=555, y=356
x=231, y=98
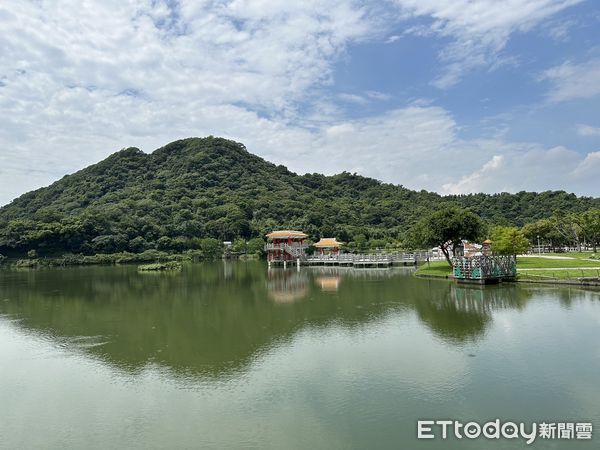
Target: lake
x=230, y=355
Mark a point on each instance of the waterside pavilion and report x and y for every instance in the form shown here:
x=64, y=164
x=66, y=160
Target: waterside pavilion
x=285, y=247
x=328, y=247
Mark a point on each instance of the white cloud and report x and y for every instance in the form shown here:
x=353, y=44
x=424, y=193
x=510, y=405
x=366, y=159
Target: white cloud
x=571, y=81
x=474, y=181
x=588, y=130
x=364, y=99
x=559, y=30
x=532, y=168
x=376, y=95
x=419, y=146
x=589, y=168
x=353, y=98
x=479, y=29
x=76, y=87
x=84, y=79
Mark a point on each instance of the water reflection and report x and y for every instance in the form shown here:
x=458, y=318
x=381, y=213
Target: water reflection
x=287, y=286
x=213, y=319
x=461, y=313
x=328, y=283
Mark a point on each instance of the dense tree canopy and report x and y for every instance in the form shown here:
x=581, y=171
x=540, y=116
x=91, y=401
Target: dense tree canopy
x=195, y=189
x=446, y=228
x=589, y=223
x=509, y=241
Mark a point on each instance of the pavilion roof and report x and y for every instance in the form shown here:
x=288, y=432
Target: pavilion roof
x=284, y=234
x=328, y=243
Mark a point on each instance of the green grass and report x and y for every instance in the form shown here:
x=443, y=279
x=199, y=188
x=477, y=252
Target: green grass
x=436, y=268
x=547, y=268
x=559, y=274
x=545, y=263
x=577, y=255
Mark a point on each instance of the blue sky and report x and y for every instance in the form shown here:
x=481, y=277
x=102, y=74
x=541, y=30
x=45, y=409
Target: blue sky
x=453, y=96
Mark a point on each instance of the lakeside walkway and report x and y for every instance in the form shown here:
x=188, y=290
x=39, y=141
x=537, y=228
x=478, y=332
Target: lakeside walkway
x=368, y=260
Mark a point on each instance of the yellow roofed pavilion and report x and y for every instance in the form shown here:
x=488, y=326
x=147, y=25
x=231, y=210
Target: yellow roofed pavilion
x=287, y=234
x=328, y=243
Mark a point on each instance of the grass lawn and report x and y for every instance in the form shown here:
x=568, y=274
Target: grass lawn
x=559, y=274
x=439, y=268
x=533, y=268
x=577, y=255
x=546, y=263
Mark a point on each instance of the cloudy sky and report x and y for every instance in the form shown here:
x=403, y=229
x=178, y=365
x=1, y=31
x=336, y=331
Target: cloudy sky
x=454, y=96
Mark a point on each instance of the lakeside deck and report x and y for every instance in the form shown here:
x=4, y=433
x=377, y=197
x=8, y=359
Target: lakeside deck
x=288, y=248
x=368, y=260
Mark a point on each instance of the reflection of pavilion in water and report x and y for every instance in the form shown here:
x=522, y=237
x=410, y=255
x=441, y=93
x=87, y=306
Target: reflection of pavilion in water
x=330, y=283
x=287, y=286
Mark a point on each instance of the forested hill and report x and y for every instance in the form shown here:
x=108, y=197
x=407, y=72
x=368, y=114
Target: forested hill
x=212, y=187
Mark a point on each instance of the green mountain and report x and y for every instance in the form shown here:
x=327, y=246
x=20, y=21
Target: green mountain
x=212, y=187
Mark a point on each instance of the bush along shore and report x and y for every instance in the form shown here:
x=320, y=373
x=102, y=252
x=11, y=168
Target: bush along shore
x=160, y=267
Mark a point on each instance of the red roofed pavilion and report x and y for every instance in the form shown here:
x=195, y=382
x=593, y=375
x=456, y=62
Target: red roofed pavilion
x=285, y=246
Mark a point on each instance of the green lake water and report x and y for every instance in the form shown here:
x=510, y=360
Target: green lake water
x=230, y=355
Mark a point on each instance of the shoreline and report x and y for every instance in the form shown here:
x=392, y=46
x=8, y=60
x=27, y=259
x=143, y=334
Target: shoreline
x=554, y=282
x=112, y=259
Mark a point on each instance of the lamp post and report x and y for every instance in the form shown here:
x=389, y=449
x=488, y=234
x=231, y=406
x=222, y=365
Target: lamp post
x=539, y=249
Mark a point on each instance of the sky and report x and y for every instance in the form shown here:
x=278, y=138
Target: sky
x=452, y=96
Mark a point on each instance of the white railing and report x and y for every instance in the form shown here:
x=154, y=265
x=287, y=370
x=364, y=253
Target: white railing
x=352, y=258
x=296, y=250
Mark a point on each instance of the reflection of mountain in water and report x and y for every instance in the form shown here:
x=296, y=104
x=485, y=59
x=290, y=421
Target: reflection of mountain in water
x=212, y=320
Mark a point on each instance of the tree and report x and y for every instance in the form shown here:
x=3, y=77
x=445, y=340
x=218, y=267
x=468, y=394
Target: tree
x=360, y=242
x=164, y=243
x=109, y=243
x=590, y=226
x=32, y=254
x=548, y=231
x=567, y=225
x=138, y=244
x=446, y=229
x=509, y=241
x=256, y=245
x=239, y=246
x=211, y=248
